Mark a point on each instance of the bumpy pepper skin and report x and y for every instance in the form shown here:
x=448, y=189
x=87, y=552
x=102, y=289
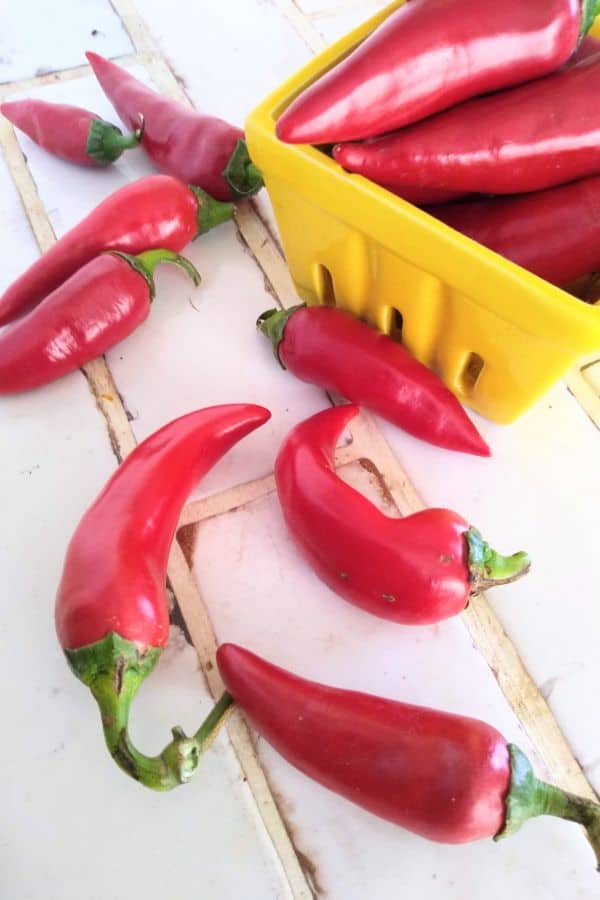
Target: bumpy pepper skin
x=429, y=55
x=154, y=212
x=554, y=234
x=417, y=570
x=73, y=133
x=446, y=777
x=529, y=138
x=111, y=611
x=93, y=310
x=181, y=141
x=336, y=351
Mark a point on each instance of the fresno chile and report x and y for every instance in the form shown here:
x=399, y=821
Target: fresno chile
x=446, y=777
x=428, y=56
x=73, y=133
x=93, y=310
x=416, y=570
x=154, y=212
x=529, y=138
x=199, y=149
x=112, y=618
x=554, y=234
x=334, y=350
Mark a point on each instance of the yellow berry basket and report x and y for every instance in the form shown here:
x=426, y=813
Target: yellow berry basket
x=497, y=335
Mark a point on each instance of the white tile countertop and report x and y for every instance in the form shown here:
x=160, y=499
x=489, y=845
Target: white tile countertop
x=249, y=826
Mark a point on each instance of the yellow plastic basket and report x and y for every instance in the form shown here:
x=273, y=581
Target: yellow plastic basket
x=497, y=335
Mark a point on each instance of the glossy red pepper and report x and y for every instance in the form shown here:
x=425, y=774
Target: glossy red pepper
x=336, y=351
x=417, y=570
x=112, y=617
x=446, y=777
x=554, y=234
x=92, y=311
x=154, y=212
x=200, y=149
x=529, y=138
x=70, y=132
x=429, y=55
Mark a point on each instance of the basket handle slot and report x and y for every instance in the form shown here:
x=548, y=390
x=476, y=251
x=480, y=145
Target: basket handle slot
x=324, y=285
x=396, y=324
x=471, y=372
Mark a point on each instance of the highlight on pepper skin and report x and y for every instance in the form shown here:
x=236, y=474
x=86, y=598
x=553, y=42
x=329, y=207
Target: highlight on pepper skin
x=415, y=570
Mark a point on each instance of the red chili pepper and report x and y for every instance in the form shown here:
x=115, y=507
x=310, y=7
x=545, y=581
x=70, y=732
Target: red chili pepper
x=417, y=570
x=336, y=351
x=449, y=778
x=92, y=311
x=428, y=56
x=112, y=618
x=526, y=139
x=152, y=213
x=70, y=132
x=200, y=149
x=554, y=234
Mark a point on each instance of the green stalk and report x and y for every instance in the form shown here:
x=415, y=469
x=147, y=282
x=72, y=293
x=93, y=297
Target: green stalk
x=489, y=568
x=529, y=797
x=114, y=668
x=145, y=263
x=210, y=212
x=106, y=142
x=243, y=177
x=272, y=324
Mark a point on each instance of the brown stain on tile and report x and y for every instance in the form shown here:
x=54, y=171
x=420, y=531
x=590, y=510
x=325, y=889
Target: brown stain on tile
x=187, y=537
x=285, y=808
x=373, y=471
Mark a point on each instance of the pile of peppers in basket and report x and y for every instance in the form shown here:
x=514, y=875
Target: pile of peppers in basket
x=445, y=102
x=446, y=777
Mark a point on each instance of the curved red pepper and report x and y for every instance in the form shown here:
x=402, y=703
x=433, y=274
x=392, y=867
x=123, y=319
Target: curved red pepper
x=336, y=351
x=70, y=132
x=429, y=55
x=526, y=139
x=112, y=617
x=417, y=570
x=200, y=149
x=152, y=213
x=554, y=234
x=446, y=777
x=92, y=311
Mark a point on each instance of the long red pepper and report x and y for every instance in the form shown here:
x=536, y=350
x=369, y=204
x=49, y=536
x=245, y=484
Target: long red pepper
x=525, y=139
x=554, y=234
x=417, y=570
x=157, y=211
x=336, y=351
x=70, y=132
x=197, y=148
x=449, y=778
x=93, y=310
x=429, y=55
x=112, y=618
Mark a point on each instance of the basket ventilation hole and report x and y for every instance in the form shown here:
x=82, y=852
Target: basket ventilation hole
x=396, y=324
x=471, y=372
x=325, y=289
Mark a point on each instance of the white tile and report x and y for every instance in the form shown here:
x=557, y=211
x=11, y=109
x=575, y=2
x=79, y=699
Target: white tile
x=341, y=21
x=40, y=36
x=230, y=55
x=263, y=596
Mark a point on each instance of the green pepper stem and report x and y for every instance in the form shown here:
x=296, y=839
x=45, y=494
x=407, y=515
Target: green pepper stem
x=489, y=568
x=145, y=264
x=210, y=212
x=106, y=142
x=272, y=324
x=114, y=669
x=528, y=797
x=243, y=177
x=589, y=11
